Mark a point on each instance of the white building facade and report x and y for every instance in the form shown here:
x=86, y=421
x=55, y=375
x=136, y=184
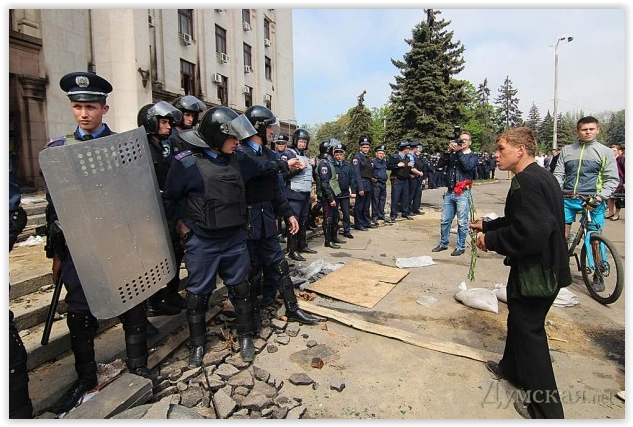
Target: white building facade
x=231, y=57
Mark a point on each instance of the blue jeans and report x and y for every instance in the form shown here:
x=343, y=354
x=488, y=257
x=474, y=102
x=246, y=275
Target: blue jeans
x=454, y=204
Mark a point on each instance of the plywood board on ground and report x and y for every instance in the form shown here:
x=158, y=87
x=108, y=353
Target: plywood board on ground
x=359, y=282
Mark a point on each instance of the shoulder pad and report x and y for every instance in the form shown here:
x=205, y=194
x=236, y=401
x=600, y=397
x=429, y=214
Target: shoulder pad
x=183, y=154
x=56, y=142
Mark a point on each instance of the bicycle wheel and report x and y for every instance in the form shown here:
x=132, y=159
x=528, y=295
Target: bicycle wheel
x=606, y=281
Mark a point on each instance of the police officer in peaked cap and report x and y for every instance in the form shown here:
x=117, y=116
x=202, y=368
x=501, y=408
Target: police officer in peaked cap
x=82, y=86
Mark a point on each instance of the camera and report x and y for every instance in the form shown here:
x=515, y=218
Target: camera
x=457, y=130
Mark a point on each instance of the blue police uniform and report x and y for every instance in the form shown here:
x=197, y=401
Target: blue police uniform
x=363, y=171
x=330, y=189
x=399, y=183
x=415, y=184
x=346, y=182
x=20, y=405
x=379, y=173
x=88, y=87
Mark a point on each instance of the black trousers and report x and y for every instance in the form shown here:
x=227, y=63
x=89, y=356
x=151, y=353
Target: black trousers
x=526, y=360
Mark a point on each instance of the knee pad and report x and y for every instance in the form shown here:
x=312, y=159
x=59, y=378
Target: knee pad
x=240, y=291
x=282, y=268
x=197, y=303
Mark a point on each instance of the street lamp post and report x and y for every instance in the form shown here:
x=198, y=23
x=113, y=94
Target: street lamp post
x=555, y=139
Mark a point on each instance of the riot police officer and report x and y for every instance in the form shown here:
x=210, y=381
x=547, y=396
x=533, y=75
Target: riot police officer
x=264, y=197
x=206, y=195
x=87, y=93
x=282, y=152
x=347, y=182
x=415, y=179
x=191, y=108
x=20, y=405
x=330, y=189
x=158, y=120
x=297, y=190
x=400, y=166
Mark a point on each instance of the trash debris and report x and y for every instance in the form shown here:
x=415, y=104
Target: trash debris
x=31, y=241
x=313, y=272
x=500, y=292
x=565, y=298
x=419, y=261
x=426, y=300
x=479, y=298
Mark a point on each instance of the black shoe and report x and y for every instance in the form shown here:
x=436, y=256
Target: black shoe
x=151, y=329
x=247, y=349
x=332, y=245
x=301, y=316
x=296, y=256
x=360, y=228
x=161, y=309
x=495, y=370
x=439, y=248
x=407, y=217
x=523, y=409
x=457, y=252
x=307, y=250
x=175, y=299
x=195, y=357
x=72, y=396
x=348, y=235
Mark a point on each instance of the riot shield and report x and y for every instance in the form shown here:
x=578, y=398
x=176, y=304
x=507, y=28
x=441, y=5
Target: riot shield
x=109, y=206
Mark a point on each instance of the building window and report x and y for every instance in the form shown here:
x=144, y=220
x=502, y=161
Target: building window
x=185, y=21
x=268, y=102
x=220, y=40
x=246, y=16
x=223, y=91
x=188, y=77
x=268, y=68
x=248, y=55
x=248, y=97
x=266, y=29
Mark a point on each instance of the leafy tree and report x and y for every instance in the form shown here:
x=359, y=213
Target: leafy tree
x=484, y=114
x=425, y=102
x=508, y=105
x=545, y=133
x=534, y=119
x=360, y=124
x=565, y=130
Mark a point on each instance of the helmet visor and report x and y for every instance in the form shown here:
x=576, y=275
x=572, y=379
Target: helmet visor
x=276, y=130
x=165, y=109
x=240, y=127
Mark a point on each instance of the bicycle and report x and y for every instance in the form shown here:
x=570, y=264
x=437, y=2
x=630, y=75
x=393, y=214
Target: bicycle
x=600, y=263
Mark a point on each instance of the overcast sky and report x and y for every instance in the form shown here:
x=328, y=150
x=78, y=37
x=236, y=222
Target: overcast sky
x=338, y=53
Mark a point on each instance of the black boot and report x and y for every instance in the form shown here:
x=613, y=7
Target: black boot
x=20, y=405
x=303, y=238
x=286, y=288
x=334, y=232
x=241, y=300
x=135, y=330
x=156, y=306
x=82, y=328
x=293, y=247
x=196, y=317
x=327, y=234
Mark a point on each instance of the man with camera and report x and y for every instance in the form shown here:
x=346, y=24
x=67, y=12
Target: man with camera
x=460, y=163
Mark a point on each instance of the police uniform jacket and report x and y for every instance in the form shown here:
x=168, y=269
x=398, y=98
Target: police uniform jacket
x=345, y=172
x=264, y=195
x=379, y=170
x=400, y=172
x=363, y=170
x=185, y=182
x=162, y=152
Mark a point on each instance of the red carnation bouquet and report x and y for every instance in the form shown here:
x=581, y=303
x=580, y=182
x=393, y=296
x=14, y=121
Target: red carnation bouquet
x=459, y=189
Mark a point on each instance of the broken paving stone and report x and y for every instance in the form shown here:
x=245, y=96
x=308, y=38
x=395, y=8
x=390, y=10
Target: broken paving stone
x=296, y=413
x=280, y=413
x=243, y=379
x=182, y=386
x=215, y=358
x=267, y=412
x=166, y=392
x=300, y=378
x=275, y=382
x=278, y=324
x=224, y=403
x=282, y=339
x=241, y=414
x=315, y=385
x=237, y=361
x=311, y=343
x=191, y=397
x=226, y=371
x=242, y=391
x=259, y=344
x=215, y=382
x=189, y=374
x=317, y=362
x=256, y=401
x=265, y=333
x=205, y=411
x=305, y=336
x=265, y=389
x=304, y=357
x=292, y=330
x=272, y=348
x=261, y=374
x=337, y=384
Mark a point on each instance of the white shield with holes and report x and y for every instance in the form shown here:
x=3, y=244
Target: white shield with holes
x=109, y=206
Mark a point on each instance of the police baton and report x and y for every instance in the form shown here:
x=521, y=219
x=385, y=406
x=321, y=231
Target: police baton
x=51, y=311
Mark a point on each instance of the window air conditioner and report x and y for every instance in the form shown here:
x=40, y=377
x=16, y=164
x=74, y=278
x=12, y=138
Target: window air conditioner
x=224, y=57
x=247, y=26
x=248, y=69
x=267, y=42
x=246, y=90
x=217, y=78
x=186, y=39
x=268, y=98
x=151, y=21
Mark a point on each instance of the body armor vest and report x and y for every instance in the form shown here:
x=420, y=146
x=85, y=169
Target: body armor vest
x=224, y=202
x=302, y=182
x=365, y=167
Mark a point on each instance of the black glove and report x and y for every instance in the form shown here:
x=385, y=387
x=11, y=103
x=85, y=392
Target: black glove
x=18, y=218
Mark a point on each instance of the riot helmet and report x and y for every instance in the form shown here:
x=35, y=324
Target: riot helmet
x=261, y=117
x=149, y=115
x=324, y=146
x=218, y=123
x=189, y=104
x=300, y=134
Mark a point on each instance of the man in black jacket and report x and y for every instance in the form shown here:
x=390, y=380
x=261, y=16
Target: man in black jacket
x=534, y=228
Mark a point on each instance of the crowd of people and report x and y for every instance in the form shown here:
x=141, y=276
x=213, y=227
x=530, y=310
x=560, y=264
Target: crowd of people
x=233, y=187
